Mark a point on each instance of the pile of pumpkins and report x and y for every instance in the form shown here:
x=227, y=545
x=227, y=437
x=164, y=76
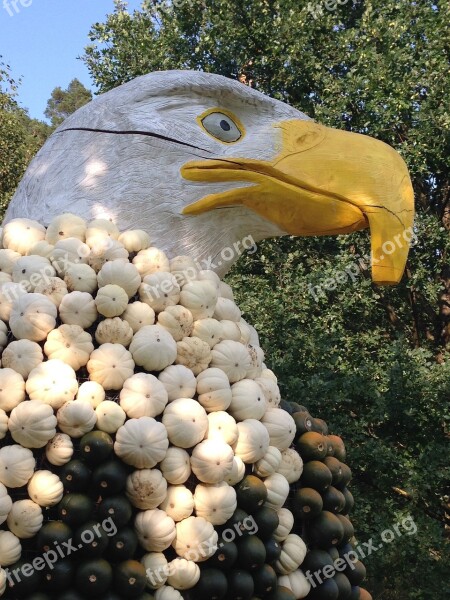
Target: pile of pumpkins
x=145, y=450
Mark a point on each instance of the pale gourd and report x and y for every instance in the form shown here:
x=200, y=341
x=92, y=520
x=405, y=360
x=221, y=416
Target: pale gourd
x=138, y=315
x=25, y=518
x=155, y=529
x=32, y=317
x=20, y=235
x=22, y=356
x=256, y=361
x=146, y=488
x=225, y=291
x=227, y=309
x=183, y=574
x=81, y=278
x=10, y=548
x=196, y=539
x=208, y=330
x=111, y=300
x=277, y=490
x=110, y=416
x=12, y=389
x=269, y=463
x=30, y=271
x=141, y=442
x=159, y=290
x=291, y=465
x=103, y=250
x=120, y=273
x=9, y=293
x=16, y=465
x=186, y=422
x=114, y=331
x=151, y=260
x=167, y=592
x=178, y=503
x=184, y=269
x=134, y=240
x=213, y=389
x=155, y=564
x=179, y=382
x=59, y=450
x=3, y=424
x=42, y=248
x=177, y=320
x=76, y=418
x=176, y=465
x=194, y=354
x=216, y=503
x=68, y=252
x=237, y=472
x=153, y=348
x=270, y=390
x=53, y=382
x=45, y=488
x=222, y=426
x=246, y=332
x=143, y=395
x=233, y=358
x=296, y=582
x=293, y=552
x=230, y=331
x=253, y=441
x=71, y=344
x=92, y=392
x=280, y=426
x=200, y=298
x=2, y=581
x=65, y=226
x=110, y=365
x=78, y=308
x=285, y=524
x=5, y=506
x=32, y=424
x=211, y=460
x=211, y=276
x=53, y=288
x=101, y=229
x=247, y=400
x=3, y=335
x=8, y=259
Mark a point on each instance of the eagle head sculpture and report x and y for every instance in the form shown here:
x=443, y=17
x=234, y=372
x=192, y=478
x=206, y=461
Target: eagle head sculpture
x=201, y=161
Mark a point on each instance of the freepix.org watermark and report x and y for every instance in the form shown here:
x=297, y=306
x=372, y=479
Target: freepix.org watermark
x=60, y=551
x=13, y=7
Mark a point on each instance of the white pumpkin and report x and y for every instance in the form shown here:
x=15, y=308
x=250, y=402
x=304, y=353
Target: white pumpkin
x=227, y=309
x=45, y=488
x=25, y=518
x=222, y=426
x=100, y=229
x=10, y=548
x=134, y=240
x=237, y=472
x=76, y=418
x=225, y=291
x=159, y=290
x=103, y=250
x=20, y=235
x=16, y=465
x=5, y=278
x=246, y=332
x=3, y=576
x=8, y=259
x=92, y=392
x=196, y=539
x=32, y=317
x=269, y=463
x=186, y=422
x=143, y=395
x=78, y=308
x=280, y=426
x=53, y=382
x=232, y=358
x=65, y=226
x=213, y=389
x=32, y=424
x=153, y=348
x=53, y=288
x=9, y=293
x=3, y=424
x=296, y=582
x=216, y=503
x=71, y=344
x=230, y=330
x=177, y=320
x=167, y=592
x=114, y=331
x=253, y=441
x=200, y=297
x=68, y=252
x=12, y=389
x=247, y=400
x=81, y=278
x=179, y=382
x=151, y=260
x=155, y=565
x=155, y=530
x=285, y=524
x=212, y=460
x=146, y=488
x=209, y=331
x=138, y=315
x=30, y=271
x=293, y=552
x=3, y=335
x=22, y=356
x=110, y=416
x=194, y=354
x=110, y=365
x=59, y=450
x=176, y=465
x=120, y=273
x=42, y=248
x=141, y=442
x=256, y=359
x=5, y=507
x=111, y=300
x=211, y=276
x=291, y=465
x=277, y=490
x=178, y=503
x=184, y=269
x=183, y=574
x=270, y=390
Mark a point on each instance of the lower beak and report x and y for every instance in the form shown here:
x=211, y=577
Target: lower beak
x=323, y=181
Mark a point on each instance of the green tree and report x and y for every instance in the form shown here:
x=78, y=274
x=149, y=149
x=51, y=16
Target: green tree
x=372, y=361
x=63, y=103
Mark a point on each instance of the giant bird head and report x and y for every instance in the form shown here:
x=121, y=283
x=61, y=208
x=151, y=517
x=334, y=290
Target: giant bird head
x=201, y=162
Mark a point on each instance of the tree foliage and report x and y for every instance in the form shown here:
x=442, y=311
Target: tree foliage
x=63, y=103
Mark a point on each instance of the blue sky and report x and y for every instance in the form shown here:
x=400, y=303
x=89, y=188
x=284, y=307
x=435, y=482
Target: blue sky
x=41, y=40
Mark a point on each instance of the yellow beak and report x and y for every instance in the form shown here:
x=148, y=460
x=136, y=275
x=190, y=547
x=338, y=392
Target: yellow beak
x=323, y=182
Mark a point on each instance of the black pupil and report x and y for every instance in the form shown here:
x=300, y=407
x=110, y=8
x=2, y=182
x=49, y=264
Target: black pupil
x=225, y=125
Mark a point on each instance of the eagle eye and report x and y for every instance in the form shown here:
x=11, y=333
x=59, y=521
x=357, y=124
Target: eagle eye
x=222, y=125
